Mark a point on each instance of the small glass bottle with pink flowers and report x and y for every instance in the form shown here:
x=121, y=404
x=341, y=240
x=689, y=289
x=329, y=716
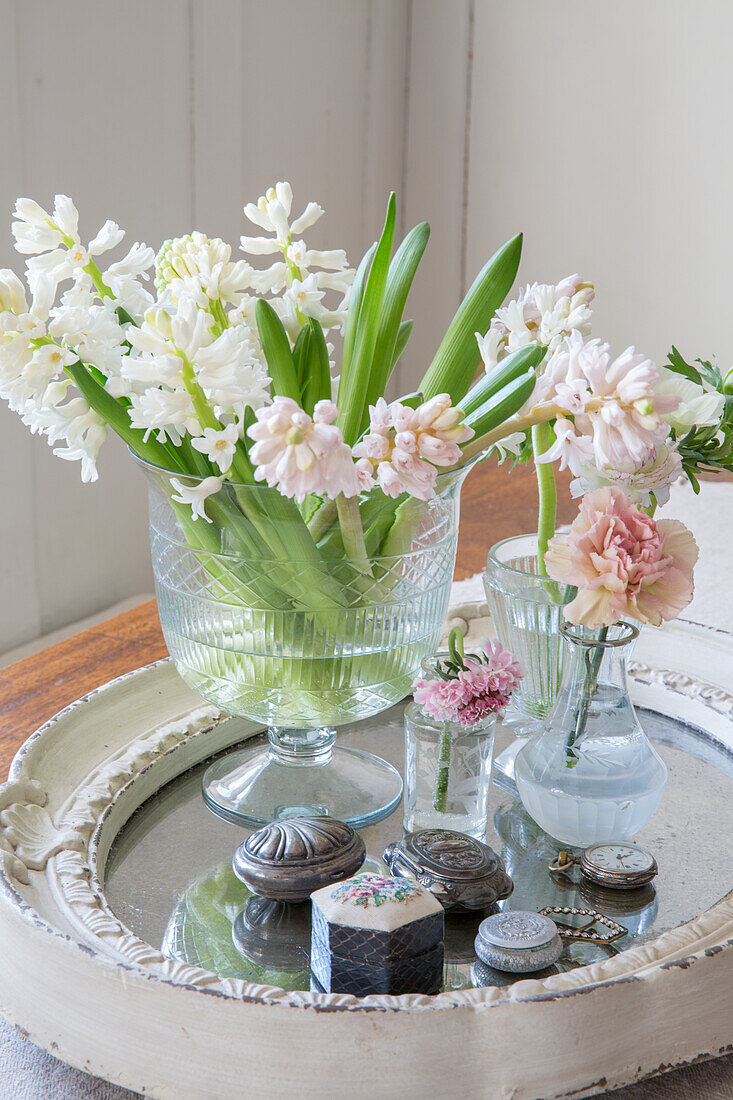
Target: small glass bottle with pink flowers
x=449, y=736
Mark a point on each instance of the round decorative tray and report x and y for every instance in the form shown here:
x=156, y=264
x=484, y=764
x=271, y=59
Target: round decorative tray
x=130, y=950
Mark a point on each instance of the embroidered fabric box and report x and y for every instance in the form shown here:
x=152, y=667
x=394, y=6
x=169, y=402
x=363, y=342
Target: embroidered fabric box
x=376, y=934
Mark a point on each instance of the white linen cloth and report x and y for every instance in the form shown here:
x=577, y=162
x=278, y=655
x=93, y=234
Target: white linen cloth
x=27, y=1073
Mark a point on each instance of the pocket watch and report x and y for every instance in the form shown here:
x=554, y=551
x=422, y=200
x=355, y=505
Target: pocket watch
x=619, y=864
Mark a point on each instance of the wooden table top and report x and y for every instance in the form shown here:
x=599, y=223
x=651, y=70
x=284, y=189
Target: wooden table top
x=494, y=505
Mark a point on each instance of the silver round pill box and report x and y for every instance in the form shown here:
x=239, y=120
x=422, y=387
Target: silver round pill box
x=518, y=941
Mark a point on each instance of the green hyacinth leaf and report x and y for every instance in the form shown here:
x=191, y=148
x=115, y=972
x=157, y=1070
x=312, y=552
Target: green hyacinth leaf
x=276, y=347
x=355, y=378
x=511, y=367
x=457, y=358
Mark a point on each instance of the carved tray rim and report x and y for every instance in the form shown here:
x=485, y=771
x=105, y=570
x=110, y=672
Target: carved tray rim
x=62, y=807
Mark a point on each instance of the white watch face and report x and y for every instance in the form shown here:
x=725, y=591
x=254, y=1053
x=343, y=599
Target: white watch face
x=619, y=857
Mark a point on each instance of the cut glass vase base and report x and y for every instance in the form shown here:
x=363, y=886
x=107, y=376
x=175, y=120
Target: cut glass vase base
x=253, y=787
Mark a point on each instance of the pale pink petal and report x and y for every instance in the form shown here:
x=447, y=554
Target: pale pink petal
x=591, y=607
x=623, y=563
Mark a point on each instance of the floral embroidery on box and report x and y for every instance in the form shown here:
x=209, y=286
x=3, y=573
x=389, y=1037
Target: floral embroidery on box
x=375, y=890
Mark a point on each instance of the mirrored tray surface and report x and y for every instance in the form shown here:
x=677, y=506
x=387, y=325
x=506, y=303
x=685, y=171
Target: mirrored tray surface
x=169, y=878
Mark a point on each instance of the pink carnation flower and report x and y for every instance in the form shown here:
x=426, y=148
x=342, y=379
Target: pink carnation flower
x=480, y=689
x=624, y=564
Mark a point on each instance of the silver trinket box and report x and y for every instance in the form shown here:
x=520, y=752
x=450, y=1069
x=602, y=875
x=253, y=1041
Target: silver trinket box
x=287, y=860
x=518, y=941
x=463, y=874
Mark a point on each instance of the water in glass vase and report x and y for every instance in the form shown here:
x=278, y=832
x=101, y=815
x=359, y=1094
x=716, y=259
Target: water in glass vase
x=447, y=774
x=301, y=679
x=592, y=774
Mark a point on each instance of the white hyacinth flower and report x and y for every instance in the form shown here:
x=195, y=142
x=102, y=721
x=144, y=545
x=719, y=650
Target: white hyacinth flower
x=46, y=365
x=53, y=414
x=227, y=367
x=304, y=275
x=36, y=231
x=168, y=413
x=122, y=278
x=272, y=212
x=53, y=242
x=509, y=445
x=12, y=293
x=196, y=493
x=230, y=371
x=540, y=314
x=95, y=334
x=201, y=268
x=218, y=445
x=618, y=413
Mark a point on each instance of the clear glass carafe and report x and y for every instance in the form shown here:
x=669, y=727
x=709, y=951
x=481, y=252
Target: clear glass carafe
x=592, y=774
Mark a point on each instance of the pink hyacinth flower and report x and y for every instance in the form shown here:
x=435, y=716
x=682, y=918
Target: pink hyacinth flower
x=405, y=446
x=298, y=454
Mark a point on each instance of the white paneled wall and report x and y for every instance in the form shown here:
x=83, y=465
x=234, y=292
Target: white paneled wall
x=600, y=130
x=168, y=116
x=603, y=131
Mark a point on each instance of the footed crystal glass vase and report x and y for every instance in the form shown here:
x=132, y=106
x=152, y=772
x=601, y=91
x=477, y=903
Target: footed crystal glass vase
x=592, y=774
x=272, y=621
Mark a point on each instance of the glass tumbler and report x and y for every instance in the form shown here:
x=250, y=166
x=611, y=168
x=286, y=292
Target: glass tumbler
x=447, y=773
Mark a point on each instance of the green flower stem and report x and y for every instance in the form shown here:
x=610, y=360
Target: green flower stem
x=102, y=289
x=547, y=491
x=592, y=660
x=293, y=272
x=323, y=520
x=352, y=532
x=651, y=507
x=540, y=415
x=217, y=311
x=241, y=465
x=442, y=774
x=201, y=406
x=407, y=518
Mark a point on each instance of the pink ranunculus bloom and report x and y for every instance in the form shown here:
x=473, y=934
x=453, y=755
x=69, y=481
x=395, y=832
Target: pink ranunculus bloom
x=624, y=564
x=480, y=689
